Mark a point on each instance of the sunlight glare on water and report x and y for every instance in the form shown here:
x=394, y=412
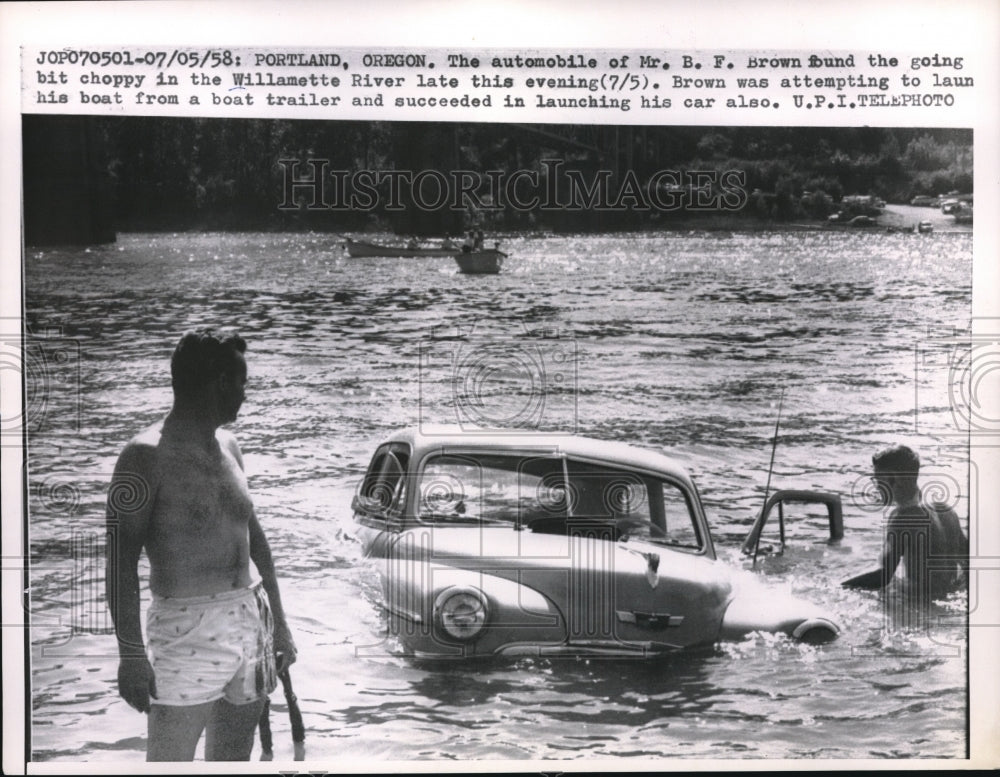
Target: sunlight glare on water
x=680, y=341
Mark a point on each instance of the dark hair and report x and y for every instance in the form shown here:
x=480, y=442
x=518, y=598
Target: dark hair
x=897, y=460
x=200, y=357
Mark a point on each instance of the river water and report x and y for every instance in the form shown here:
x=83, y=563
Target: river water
x=679, y=341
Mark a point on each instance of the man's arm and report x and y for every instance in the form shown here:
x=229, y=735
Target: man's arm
x=130, y=505
x=892, y=552
x=260, y=553
x=958, y=543
x=892, y=549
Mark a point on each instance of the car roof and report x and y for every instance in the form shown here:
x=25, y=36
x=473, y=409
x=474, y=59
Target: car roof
x=428, y=439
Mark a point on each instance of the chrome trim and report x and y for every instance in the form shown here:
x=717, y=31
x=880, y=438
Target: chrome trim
x=650, y=620
x=401, y=613
x=601, y=648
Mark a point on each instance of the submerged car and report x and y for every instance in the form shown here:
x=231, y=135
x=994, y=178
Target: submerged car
x=541, y=544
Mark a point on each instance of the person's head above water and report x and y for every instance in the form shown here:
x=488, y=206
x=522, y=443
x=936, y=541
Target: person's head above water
x=896, y=470
x=204, y=362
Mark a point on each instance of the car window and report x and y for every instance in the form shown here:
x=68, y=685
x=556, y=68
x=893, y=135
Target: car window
x=681, y=529
x=597, y=491
x=384, y=486
x=467, y=488
x=634, y=505
x=544, y=495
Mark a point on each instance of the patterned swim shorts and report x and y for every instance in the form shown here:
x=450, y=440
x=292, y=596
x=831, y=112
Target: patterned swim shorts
x=204, y=648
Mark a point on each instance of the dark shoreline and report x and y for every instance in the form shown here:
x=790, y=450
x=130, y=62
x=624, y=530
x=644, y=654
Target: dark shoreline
x=894, y=218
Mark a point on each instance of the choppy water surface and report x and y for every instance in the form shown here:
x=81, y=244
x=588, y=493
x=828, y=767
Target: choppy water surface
x=680, y=341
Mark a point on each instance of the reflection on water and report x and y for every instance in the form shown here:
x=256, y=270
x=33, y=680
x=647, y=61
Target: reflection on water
x=680, y=341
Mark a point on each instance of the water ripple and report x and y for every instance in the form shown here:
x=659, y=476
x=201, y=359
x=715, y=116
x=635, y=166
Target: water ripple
x=679, y=342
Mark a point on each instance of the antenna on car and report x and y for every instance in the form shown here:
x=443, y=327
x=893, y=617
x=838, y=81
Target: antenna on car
x=770, y=469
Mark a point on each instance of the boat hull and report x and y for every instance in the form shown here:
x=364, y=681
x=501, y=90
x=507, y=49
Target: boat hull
x=480, y=262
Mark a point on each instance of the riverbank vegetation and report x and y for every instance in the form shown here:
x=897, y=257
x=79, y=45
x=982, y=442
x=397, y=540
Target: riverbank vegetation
x=152, y=173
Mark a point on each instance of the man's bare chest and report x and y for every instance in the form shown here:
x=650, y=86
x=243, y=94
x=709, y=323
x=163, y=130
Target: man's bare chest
x=201, y=492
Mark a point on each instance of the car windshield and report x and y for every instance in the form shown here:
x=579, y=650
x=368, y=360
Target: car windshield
x=552, y=494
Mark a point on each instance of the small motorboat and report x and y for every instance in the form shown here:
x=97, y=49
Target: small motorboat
x=483, y=262
x=363, y=248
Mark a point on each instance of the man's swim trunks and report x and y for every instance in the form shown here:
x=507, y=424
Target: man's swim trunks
x=204, y=648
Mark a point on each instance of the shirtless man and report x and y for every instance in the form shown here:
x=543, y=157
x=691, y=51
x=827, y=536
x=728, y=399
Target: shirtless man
x=927, y=537
x=179, y=492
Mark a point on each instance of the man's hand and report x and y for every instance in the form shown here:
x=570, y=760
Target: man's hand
x=284, y=647
x=136, y=683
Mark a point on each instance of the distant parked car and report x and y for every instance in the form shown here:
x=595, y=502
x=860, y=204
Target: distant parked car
x=925, y=227
x=537, y=544
x=963, y=213
x=949, y=205
x=862, y=221
x=924, y=200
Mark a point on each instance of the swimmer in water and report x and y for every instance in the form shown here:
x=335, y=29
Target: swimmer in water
x=927, y=537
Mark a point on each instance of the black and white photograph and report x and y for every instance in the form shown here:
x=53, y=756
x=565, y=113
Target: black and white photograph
x=598, y=442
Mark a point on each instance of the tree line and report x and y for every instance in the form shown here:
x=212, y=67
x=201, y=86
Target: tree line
x=198, y=173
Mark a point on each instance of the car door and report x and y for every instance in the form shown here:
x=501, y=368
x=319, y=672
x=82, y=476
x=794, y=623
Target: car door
x=639, y=573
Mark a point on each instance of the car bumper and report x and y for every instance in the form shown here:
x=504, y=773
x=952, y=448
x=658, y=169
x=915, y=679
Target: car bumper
x=756, y=609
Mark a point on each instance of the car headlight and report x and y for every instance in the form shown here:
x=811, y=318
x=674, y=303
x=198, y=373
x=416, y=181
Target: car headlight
x=461, y=613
